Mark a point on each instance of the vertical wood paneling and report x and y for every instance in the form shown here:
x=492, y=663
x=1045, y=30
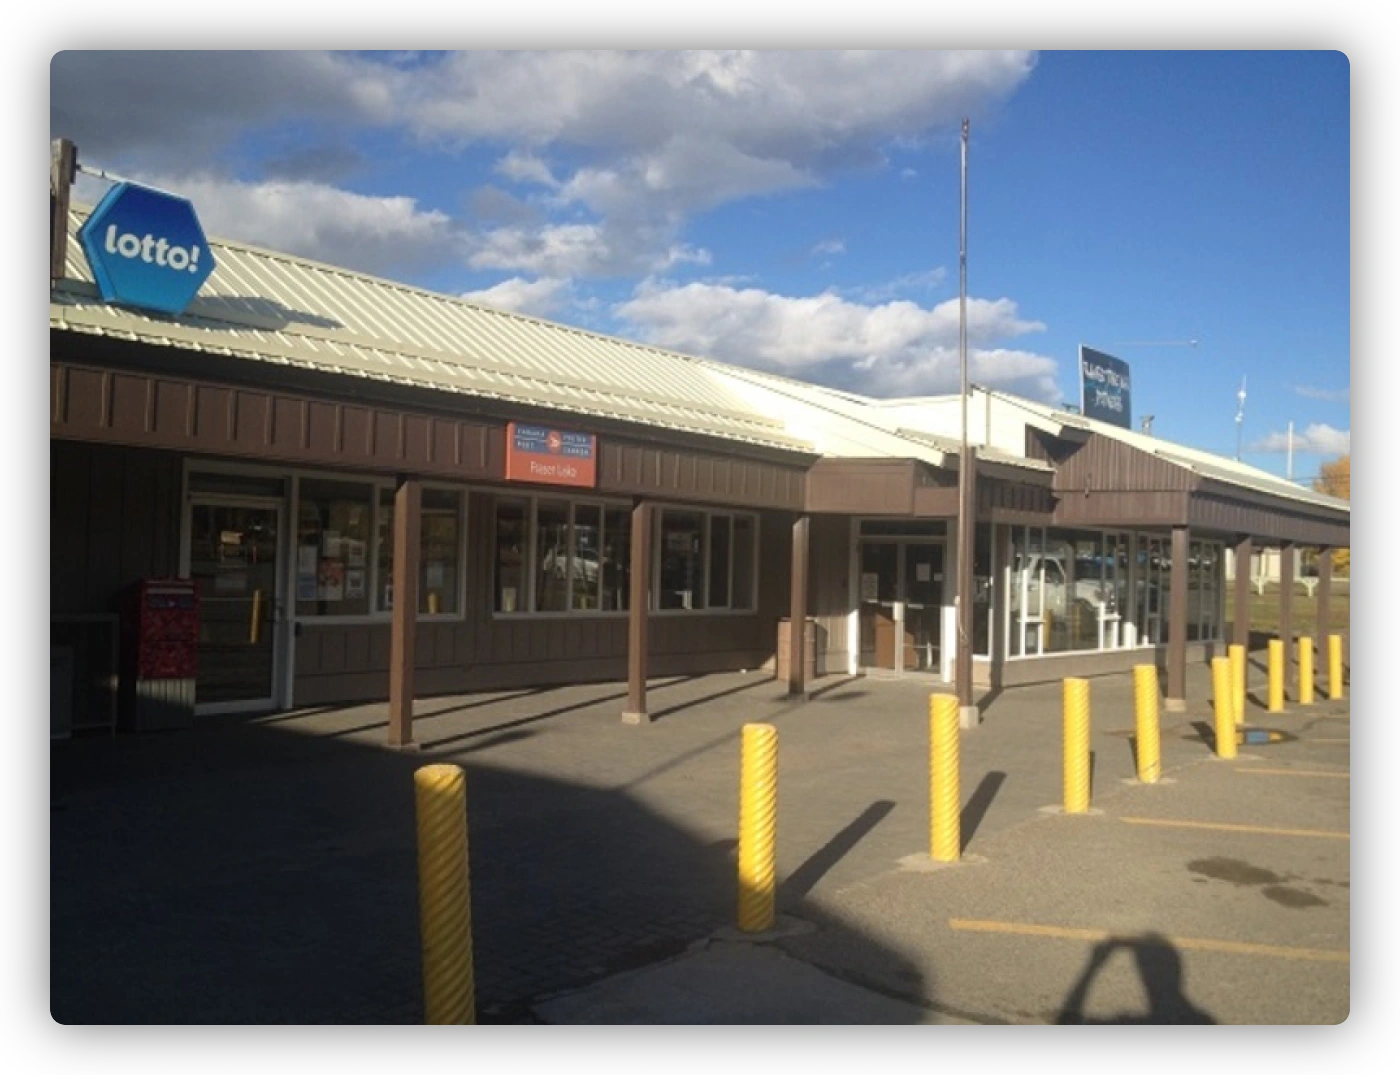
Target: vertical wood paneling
x=69, y=480
x=104, y=534
x=357, y=647
x=85, y=396
x=379, y=651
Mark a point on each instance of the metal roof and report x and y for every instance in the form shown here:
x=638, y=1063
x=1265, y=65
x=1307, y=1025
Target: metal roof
x=271, y=307
x=1206, y=464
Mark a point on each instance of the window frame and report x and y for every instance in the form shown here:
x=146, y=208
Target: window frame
x=708, y=514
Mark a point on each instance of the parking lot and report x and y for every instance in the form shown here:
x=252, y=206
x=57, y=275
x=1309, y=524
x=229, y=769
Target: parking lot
x=263, y=871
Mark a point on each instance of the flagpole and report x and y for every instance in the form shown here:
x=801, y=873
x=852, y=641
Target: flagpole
x=968, y=715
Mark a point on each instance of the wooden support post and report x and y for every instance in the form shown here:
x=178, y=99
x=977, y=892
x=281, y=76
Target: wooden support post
x=1176, y=619
x=408, y=497
x=638, y=615
x=797, y=625
x=1287, y=553
x=1324, y=597
x=1244, y=562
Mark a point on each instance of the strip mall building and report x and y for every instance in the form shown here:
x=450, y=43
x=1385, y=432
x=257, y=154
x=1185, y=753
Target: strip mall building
x=323, y=453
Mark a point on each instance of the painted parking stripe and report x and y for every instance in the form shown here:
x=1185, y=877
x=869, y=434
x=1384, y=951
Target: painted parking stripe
x=1334, y=773
x=1220, y=826
x=1198, y=944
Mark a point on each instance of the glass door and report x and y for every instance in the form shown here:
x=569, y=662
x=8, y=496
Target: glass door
x=901, y=605
x=879, y=605
x=923, y=607
x=234, y=563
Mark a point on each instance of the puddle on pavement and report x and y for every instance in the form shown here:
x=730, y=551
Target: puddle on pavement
x=1238, y=872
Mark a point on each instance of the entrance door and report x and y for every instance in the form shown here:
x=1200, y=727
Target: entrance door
x=923, y=607
x=234, y=562
x=879, y=611
x=901, y=599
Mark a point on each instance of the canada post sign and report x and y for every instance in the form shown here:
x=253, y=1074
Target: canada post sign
x=1105, y=387
x=146, y=249
x=550, y=456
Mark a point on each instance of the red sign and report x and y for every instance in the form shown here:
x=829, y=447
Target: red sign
x=550, y=456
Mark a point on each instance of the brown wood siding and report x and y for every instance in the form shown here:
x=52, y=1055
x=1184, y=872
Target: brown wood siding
x=1138, y=509
x=861, y=486
x=1013, y=502
x=350, y=662
x=149, y=410
x=1101, y=463
x=682, y=474
x=829, y=590
x=114, y=518
x=936, y=502
x=1227, y=515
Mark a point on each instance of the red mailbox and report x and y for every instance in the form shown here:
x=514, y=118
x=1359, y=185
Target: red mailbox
x=161, y=638
x=165, y=628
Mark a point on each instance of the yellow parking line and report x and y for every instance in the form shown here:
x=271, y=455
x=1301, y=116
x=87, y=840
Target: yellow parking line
x=1336, y=774
x=1199, y=944
x=1223, y=827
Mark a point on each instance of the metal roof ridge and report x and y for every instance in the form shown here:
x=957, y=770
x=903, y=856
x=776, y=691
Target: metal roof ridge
x=277, y=356
x=485, y=364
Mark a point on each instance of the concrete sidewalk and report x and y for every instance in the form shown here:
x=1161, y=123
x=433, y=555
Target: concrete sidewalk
x=263, y=871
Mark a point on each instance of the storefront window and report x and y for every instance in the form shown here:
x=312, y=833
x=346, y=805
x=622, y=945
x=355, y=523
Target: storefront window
x=719, y=560
x=333, y=548
x=588, y=522
x=617, y=559
x=439, y=551
x=551, y=556
x=982, y=595
x=512, y=552
x=1088, y=595
x=745, y=557
x=681, y=577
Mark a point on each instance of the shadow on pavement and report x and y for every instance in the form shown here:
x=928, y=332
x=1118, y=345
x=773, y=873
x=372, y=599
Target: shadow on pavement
x=248, y=873
x=976, y=808
x=1158, y=964
x=802, y=880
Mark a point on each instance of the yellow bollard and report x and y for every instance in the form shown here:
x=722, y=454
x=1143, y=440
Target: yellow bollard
x=1076, y=706
x=1223, y=689
x=1149, y=736
x=444, y=902
x=758, y=824
x=1239, y=672
x=945, y=799
x=1275, y=675
x=1334, y=667
x=1305, y=670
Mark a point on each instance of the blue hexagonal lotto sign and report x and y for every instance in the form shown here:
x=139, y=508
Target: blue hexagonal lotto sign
x=146, y=249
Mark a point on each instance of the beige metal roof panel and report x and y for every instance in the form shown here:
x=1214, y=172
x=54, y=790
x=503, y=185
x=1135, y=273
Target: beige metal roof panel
x=262, y=305
x=992, y=455
x=1207, y=464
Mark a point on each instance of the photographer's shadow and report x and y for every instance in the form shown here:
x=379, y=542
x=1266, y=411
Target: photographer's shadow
x=1159, y=965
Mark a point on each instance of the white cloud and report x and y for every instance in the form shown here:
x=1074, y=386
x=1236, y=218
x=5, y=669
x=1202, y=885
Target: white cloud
x=1318, y=439
x=540, y=298
x=1328, y=395
x=579, y=250
x=896, y=348
x=525, y=167
x=828, y=246
x=926, y=280
x=375, y=235
x=627, y=145
x=175, y=109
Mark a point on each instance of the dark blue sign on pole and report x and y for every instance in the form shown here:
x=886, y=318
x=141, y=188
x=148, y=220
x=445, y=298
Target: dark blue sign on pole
x=1105, y=388
x=146, y=249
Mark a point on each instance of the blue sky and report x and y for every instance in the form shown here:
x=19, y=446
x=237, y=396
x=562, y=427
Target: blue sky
x=798, y=211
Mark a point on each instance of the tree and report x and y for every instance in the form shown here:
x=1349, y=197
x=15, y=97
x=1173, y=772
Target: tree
x=1335, y=480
